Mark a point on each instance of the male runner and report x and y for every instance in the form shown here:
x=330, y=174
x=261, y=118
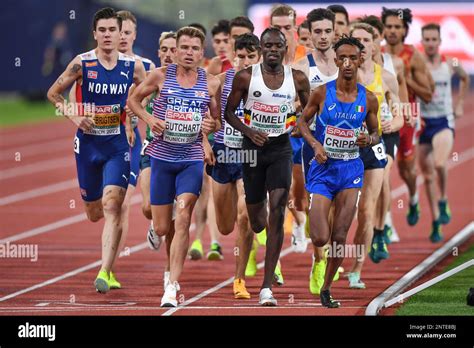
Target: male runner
x=167, y=55
x=320, y=68
x=227, y=184
x=419, y=82
x=269, y=90
x=336, y=172
x=385, y=87
x=103, y=77
x=222, y=48
x=436, y=139
x=179, y=122
x=383, y=219
x=341, y=21
x=304, y=35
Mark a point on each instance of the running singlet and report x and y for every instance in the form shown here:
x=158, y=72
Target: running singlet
x=227, y=135
x=316, y=77
x=271, y=111
x=226, y=64
x=104, y=93
x=376, y=87
x=385, y=113
x=183, y=110
x=441, y=105
x=339, y=123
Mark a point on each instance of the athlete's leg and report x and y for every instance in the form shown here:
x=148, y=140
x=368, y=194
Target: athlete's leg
x=426, y=160
x=373, y=179
x=442, y=147
x=384, y=199
x=145, y=188
x=345, y=207
x=320, y=231
x=225, y=202
x=245, y=233
x=94, y=210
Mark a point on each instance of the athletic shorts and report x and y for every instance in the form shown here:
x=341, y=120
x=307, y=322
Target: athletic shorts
x=432, y=127
x=144, y=158
x=391, y=141
x=100, y=163
x=135, y=158
x=373, y=157
x=228, y=167
x=171, y=179
x=307, y=155
x=272, y=170
x=334, y=176
x=296, y=144
x=407, y=142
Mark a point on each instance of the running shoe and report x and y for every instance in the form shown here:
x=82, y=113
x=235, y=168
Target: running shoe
x=298, y=238
x=394, y=237
x=166, y=279
x=444, y=212
x=102, y=282
x=262, y=237
x=354, y=281
x=387, y=234
x=169, y=297
x=113, y=282
x=436, y=234
x=154, y=240
x=278, y=276
x=373, y=250
x=215, y=253
x=196, y=252
x=240, y=291
x=251, y=268
x=413, y=214
x=266, y=298
x=316, y=277
x=327, y=300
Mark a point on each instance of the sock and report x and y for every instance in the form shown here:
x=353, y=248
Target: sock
x=377, y=232
x=414, y=199
x=388, y=219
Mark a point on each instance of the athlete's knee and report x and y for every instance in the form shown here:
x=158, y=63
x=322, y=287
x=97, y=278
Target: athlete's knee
x=225, y=226
x=243, y=220
x=339, y=237
x=95, y=214
x=112, y=206
x=319, y=240
x=162, y=228
x=146, y=210
x=258, y=224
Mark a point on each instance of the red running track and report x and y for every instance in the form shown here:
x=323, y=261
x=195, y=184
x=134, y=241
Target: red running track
x=41, y=205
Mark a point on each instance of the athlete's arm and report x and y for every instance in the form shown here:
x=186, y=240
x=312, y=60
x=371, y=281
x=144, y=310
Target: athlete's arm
x=139, y=73
x=372, y=122
x=419, y=78
x=240, y=87
x=213, y=123
x=302, y=87
x=312, y=108
x=215, y=66
x=134, y=102
x=302, y=65
x=464, y=81
x=393, y=101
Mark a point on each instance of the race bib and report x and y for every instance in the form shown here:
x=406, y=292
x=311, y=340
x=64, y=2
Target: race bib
x=182, y=127
x=76, y=144
x=106, y=120
x=385, y=113
x=379, y=151
x=145, y=144
x=134, y=121
x=273, y=120
x=340, y=143
x=232, y=137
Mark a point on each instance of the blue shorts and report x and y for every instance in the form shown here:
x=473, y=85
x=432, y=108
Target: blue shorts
x=135, y=158
x=145, y=162
x=334, y=176
x=432, y=127
x=223, y=172
x=296, y=144
x=170, y=179
x=369, y=156
x=307, y=155
x=100, y=163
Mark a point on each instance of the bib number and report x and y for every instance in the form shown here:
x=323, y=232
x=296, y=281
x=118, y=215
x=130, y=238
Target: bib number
x=76, y=144
x=144, y=146
x=232, y=137
x=379, y=151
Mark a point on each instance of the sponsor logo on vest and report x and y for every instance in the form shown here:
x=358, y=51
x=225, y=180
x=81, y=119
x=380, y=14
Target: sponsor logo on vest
x=107, y=88
x=257, y=94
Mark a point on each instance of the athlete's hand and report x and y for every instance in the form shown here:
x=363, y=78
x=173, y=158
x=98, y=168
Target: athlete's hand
x=363, y=140
x=258, y=138
x=85, y=123
x=208, y=125
x=296, y=133
x=157, y=126
x=320, y=153
x=130, y=135
x=386, y=126
x=209, y=157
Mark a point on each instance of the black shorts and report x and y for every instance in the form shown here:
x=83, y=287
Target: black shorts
x=391, y=140
x=369, y=157
x=272, y=169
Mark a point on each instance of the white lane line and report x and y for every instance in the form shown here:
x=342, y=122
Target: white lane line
x=36, y=149
x=57, y=224
x=38, y=192
x=218, y=286
x=70, y=274
x=37, y=167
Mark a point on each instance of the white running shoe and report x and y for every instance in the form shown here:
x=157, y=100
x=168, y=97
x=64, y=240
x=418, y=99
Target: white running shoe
x=394, y=237
x=166, y=281
x=354, y=281
x=298, y=239
x=266, y=298
x=169, y=297
x=154, y=240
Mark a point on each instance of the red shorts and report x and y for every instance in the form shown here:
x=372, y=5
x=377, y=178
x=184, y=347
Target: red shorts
x=406, y=149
